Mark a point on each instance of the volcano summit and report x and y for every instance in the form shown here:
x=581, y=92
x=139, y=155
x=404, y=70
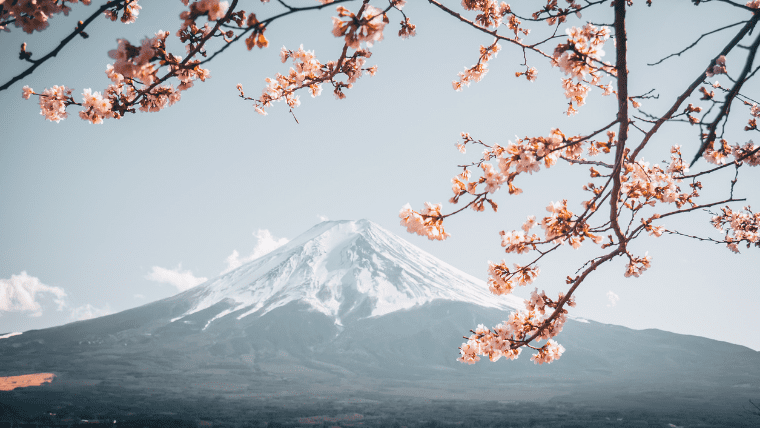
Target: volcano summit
x=346, y=270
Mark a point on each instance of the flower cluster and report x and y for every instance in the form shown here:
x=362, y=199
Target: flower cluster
x=560, y=15
x=507, y=338
x=749, y=153
x=134, y=77
x=491, y=13
x=579, y=57
x=407, y=29
x=428, y=222
x=130, y=9
x=368, y=27
x=657, y=231
x=477, y=71
x=518, y=241
x=256, y=38
x=643, y=184
x=531, y=74
x=309, y=72
x=637, y=265
x=718, y=68
x=677, y=167
x=717, y=157
x=214, y=9
x=33, y=15
x=739, y=227
x=560, y=226
x=526, y=155
x=133, y=62
x=549, y=352
x=583, y=49
x=95, y=108
x=135, y=66
x=503, y=281
x=53, y=102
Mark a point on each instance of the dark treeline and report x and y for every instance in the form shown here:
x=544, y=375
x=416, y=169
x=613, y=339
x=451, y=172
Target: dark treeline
x=35, y=407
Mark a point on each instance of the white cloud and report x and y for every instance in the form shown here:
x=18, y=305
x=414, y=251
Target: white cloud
x=323, y=218
x=613, y=298
x=88, y=311
x=265, y=244
x=183, y=280
x=20, y=294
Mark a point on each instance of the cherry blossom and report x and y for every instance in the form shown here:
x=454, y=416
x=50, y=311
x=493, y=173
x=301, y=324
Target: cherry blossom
x=95, y=108
x=479, y=70
x=367, y=28
x=53, y=102
x=33, y=15
x=427, y=222
x=718, y=68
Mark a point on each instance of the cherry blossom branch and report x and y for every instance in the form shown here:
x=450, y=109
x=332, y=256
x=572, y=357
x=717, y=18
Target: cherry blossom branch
x=735, y=162
x=576, y=282
x=77, y=31
x=677, y=104
x=580, y=140
x=487, y=31
x=265, y=23
x=560, y=15
x=478, y=197
x=723, y=113
x=198, y=47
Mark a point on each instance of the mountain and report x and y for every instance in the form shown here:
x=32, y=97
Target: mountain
x=348, y=306
x=346, y=270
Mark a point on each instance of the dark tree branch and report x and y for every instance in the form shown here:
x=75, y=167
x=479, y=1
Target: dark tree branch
x=723, y=113
x=739, y=36
x=79, y=29
x=621, y=47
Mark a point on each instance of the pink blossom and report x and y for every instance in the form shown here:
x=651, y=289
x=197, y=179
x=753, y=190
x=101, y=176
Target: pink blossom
x=53, y=103
x=26, y=92
x=95, y=108
x=549, y=352
x=368, y=28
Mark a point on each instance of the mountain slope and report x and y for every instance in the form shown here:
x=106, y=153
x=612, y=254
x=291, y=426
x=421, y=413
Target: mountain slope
x=347, y=303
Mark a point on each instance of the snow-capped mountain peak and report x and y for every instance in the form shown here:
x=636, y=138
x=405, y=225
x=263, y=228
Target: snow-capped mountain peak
x=343, y=269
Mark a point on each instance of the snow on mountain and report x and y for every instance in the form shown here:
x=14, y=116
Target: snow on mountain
x=343, y=269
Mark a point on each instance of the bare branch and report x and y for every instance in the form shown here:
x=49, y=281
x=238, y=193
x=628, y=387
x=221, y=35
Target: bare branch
x=739, y=36
x=697, y=41
x=723, y=113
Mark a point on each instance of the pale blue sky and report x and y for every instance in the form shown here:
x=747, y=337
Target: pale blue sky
x=92, y=209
